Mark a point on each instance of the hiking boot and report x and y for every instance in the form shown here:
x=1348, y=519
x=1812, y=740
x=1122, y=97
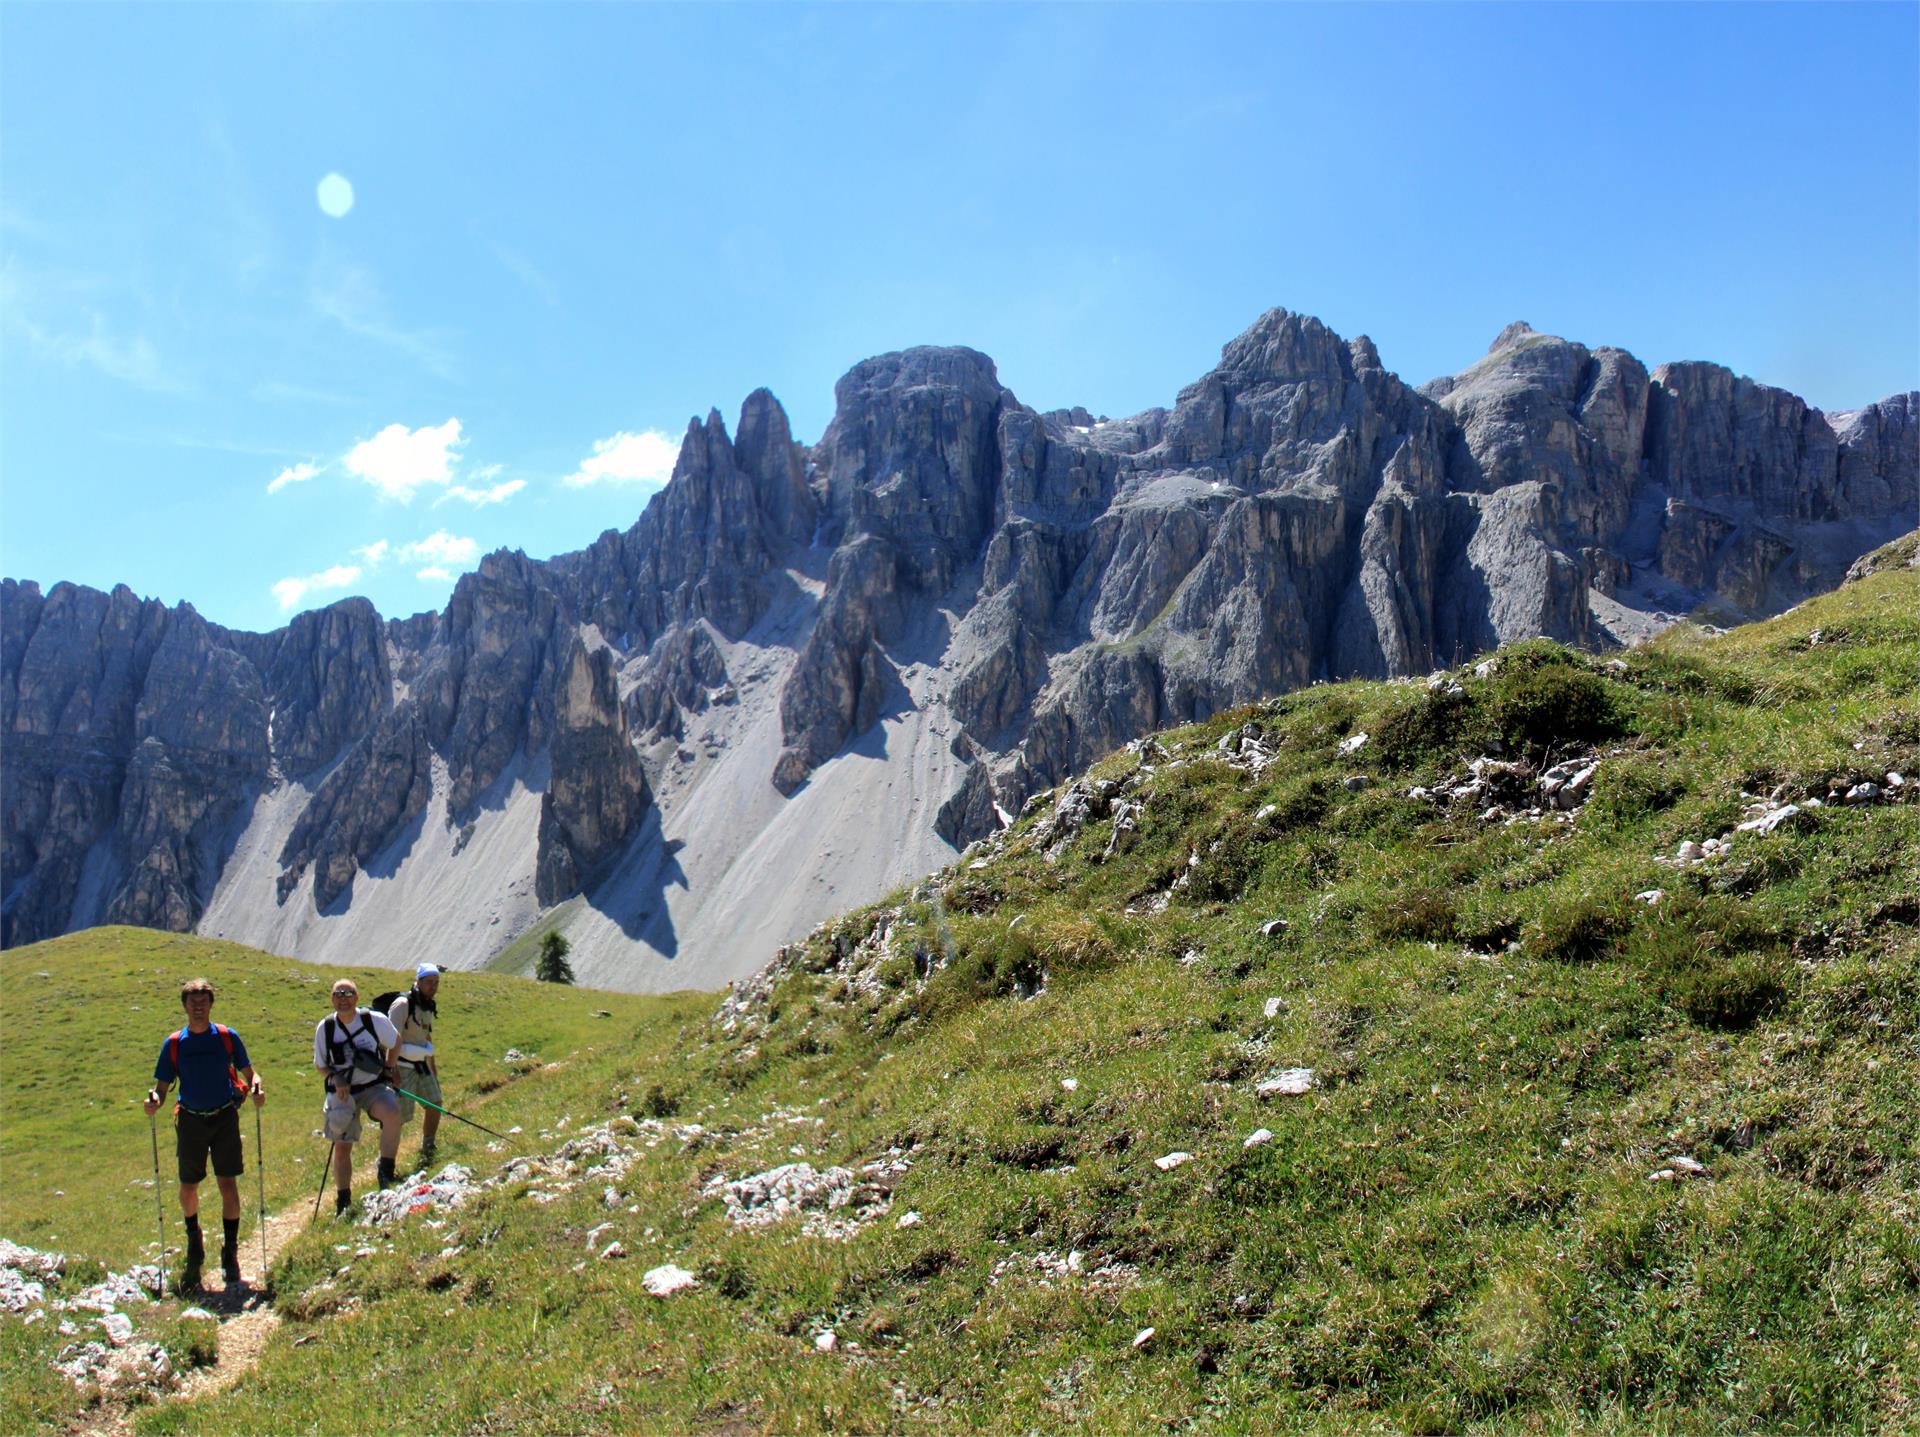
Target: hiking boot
x=386, y=1174
x=230, y=1264
x=196, y=1258
x=342, y=1202
x=426, y=1155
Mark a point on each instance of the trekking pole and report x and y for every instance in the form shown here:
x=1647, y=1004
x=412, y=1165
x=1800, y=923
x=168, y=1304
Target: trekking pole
x=326, y=1166
x=260, y=1161
x=449, y=1112
x=159, y=1204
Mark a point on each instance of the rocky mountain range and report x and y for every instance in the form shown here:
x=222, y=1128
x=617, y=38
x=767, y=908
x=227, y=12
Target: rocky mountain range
x=808, y=673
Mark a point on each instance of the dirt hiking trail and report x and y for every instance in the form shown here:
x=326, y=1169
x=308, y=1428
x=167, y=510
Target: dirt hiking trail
x=246, y=1320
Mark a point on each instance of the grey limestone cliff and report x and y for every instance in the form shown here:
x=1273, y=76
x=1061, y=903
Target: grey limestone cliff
x=1039, y=588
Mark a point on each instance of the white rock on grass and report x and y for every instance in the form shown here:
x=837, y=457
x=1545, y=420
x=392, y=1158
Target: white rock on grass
x=1255, y=1138
x=1171, y=1161
x=1290, y=1082
x=119, y=1328
x=1273, y=1007
x=1650, y=896
x=1070, y=1084
x=1768, y=822
x=1143, y=1337
x=667, y=1279
x=1353, y=744
x=909, y=1219
x=612, y=1251
x=1677, y=1167
x=825, y=1341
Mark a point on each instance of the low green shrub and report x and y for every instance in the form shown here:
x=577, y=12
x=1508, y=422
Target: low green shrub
x=1631, y=788
x=1298, y=803
x=1715, y=959
x=1416, y=914
x=1543, y=705
x=1430, y=726
x=1581, y=928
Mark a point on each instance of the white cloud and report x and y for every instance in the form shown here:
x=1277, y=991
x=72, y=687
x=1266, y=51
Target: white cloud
x=498, y=494
x=645, y=458
x=495, y=494
x=441, y=548
x=373, y=553
x=292, y=474
x=292, y=590
x=399, y=460
x=437, y=573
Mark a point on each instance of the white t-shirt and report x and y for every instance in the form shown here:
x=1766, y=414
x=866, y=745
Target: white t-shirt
x=379, y=1042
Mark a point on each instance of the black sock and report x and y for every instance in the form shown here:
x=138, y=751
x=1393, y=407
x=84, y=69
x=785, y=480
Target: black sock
x=230, y=1230
x=193, y=1233
x=343, y=1199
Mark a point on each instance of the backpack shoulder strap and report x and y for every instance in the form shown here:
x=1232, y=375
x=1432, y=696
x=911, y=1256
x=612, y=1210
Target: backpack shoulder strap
x=226, y=1036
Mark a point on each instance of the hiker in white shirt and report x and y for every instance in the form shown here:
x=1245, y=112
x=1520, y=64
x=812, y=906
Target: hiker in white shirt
x=353, y=1047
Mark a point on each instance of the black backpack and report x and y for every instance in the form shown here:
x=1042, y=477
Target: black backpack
x=342, y=1050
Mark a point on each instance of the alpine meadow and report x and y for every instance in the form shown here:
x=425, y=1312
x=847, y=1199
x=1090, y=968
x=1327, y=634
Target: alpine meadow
x=1299, y=1070
x=936, y=719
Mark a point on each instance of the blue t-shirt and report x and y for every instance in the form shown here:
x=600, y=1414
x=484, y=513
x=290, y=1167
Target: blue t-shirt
x=203, y=1068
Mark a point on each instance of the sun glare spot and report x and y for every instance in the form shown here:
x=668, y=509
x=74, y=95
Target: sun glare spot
x=336, y=195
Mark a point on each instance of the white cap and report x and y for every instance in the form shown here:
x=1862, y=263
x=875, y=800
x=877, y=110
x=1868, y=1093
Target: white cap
x=427, y=970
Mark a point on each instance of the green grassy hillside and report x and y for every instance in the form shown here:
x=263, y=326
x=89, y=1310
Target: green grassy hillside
x=82, y=1022
x=1565, y=1158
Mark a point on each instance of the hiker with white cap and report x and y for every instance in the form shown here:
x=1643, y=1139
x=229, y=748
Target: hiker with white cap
x=354, y=1047
x=412, y=1014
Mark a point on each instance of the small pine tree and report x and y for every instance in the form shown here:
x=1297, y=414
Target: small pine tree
x=554, y=967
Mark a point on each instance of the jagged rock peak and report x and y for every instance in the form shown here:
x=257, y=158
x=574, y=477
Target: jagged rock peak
x=924, y=366
x=1511, y=336
x=1282, y=347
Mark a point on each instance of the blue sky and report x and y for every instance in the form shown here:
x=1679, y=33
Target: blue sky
x=573, y=228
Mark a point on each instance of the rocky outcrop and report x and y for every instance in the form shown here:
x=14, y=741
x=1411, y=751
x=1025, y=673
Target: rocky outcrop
x=596, y=794
x=332, y=679
x=381, y=786
x=1032, y=589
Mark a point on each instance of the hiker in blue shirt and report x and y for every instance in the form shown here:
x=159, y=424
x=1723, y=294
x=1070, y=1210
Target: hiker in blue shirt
x=215, y=1076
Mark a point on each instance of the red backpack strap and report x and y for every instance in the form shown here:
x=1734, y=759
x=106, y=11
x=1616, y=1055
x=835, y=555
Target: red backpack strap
x=238, y=1083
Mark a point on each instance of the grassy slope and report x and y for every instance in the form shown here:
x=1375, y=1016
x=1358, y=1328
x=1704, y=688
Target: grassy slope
x=1453, y=1230
x=81, y=1024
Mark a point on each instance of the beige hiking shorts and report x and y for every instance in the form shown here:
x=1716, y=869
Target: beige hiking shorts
x=426, y=1085
x=340, y=1119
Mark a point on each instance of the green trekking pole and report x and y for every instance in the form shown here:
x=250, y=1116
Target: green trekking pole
x=159, y=1203
x=449, y=1112
x=260, y=1162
